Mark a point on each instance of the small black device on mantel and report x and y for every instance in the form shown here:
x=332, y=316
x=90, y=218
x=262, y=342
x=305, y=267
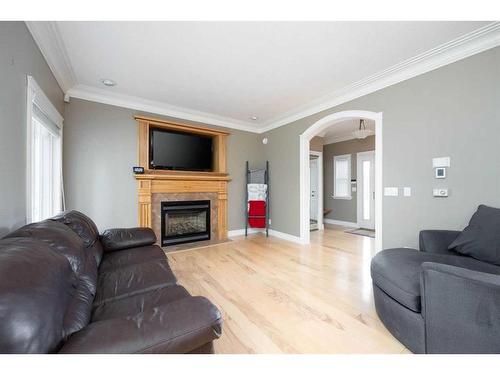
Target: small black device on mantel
x=173, y=150
x=138, y=170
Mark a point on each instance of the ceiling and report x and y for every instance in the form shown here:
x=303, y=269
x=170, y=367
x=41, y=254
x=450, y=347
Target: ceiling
x=226, y=72
x=342, y=131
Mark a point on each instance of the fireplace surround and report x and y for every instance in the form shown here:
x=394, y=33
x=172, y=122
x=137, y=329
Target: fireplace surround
x=185, y=221
x=157, y=186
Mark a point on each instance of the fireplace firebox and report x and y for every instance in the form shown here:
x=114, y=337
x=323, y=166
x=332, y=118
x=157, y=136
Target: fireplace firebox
x=184, y=221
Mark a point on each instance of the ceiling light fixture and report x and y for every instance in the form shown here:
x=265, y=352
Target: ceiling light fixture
x=362, y=132
x=254, y=118
x=108, y=82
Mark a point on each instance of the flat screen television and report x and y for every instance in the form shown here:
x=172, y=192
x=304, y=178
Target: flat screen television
x=173, y=150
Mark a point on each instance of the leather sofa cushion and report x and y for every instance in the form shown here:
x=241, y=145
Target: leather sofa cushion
x=138, y=303
x=130, y=257
x=36, y=286
x=481, y=238
x=126, y=238
x=397, y=272
x=178, y=327
x=84, y=227
x=138, y=278
x=59, y=238
x=62, y=240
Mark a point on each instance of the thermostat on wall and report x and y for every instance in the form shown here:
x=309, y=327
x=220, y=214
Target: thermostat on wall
x=440, y=172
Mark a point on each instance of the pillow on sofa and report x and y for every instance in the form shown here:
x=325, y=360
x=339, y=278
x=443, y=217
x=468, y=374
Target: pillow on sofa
x=481, y=238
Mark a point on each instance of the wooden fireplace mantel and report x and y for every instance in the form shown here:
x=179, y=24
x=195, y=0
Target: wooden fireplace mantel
x=161, y=181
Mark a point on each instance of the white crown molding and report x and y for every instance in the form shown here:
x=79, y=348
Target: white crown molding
x=457, y=49
x=48, y=38
x=140, y=104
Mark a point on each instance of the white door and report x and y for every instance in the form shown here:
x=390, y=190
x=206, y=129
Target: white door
x=313, y=164
x=366, y=189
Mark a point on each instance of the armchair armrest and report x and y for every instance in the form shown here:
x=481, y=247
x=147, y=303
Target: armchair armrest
x=461, y=309
x=437, y=241
x=126, y=238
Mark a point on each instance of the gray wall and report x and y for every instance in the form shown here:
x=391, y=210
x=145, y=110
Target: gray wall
x=100, y=148
x=452, y=111
x=342, y=209
x=19, y=56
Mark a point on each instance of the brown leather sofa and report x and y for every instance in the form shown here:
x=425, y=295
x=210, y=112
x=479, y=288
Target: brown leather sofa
x=65, y=289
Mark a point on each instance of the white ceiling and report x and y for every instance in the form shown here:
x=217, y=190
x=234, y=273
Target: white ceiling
x=342, y=131
x=227, y=72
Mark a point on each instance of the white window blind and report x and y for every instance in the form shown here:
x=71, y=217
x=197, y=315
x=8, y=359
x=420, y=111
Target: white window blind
x=342, y=176
x=44, y=151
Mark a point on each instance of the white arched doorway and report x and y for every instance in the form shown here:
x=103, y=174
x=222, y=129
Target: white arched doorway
x=306, y=137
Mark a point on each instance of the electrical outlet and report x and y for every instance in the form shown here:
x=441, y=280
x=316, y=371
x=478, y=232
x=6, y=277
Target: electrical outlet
x=440, y=192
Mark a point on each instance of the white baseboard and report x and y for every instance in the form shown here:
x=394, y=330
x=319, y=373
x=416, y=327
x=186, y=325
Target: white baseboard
x=340, y=222
x=272, y=232
x=241, y=232
x=285, y=236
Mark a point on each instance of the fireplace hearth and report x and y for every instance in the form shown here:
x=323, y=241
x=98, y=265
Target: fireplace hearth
x=184, y=221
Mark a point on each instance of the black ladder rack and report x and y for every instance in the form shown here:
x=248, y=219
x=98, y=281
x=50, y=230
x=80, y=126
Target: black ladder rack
x=266, y=182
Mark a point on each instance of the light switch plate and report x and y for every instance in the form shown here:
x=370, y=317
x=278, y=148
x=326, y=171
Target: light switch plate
x=391, y=191
x=443, y=162
x=407, y=191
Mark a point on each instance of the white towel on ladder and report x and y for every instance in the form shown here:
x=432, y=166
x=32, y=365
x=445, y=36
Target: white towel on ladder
x=257, y=192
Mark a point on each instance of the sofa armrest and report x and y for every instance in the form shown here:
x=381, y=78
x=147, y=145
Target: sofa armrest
x=126, y=238
x=437, y=241
x=179, y=327
x=461, y=309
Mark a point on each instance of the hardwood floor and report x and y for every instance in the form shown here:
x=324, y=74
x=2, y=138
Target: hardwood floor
x=280, y=297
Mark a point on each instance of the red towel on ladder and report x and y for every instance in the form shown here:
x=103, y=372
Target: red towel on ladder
x=257, y=208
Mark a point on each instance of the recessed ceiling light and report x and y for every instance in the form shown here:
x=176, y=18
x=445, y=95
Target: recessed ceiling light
x=108, y=82
x=255, y=118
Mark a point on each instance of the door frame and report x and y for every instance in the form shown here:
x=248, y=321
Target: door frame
x=359, y=197
x=304, y=139
x=319, y=154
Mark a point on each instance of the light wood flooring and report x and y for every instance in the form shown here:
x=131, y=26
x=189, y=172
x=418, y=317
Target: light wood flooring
x=280, y=297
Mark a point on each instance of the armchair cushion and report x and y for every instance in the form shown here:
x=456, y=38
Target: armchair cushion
x=126, y=238
x=481, y=238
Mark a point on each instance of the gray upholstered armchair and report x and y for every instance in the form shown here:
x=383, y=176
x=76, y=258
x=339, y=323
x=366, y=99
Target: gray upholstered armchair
x=438, y=300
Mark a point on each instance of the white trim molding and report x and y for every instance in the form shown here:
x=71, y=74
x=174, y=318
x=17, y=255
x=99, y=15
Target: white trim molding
x=321, y=202
x=36, y=96
x=348, y=224
x=48, y=38
x=272, y=232
x=241, y=232
x=286, y=236
x=304, y=140
x=104, y=96
x=475, y=42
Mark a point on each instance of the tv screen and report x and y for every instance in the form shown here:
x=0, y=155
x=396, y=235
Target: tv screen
x=179, y=151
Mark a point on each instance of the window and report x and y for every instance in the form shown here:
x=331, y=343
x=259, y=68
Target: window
x=342, y=177
x=44, y=156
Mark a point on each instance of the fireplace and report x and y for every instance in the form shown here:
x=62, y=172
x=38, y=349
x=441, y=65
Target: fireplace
x=184, y=221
